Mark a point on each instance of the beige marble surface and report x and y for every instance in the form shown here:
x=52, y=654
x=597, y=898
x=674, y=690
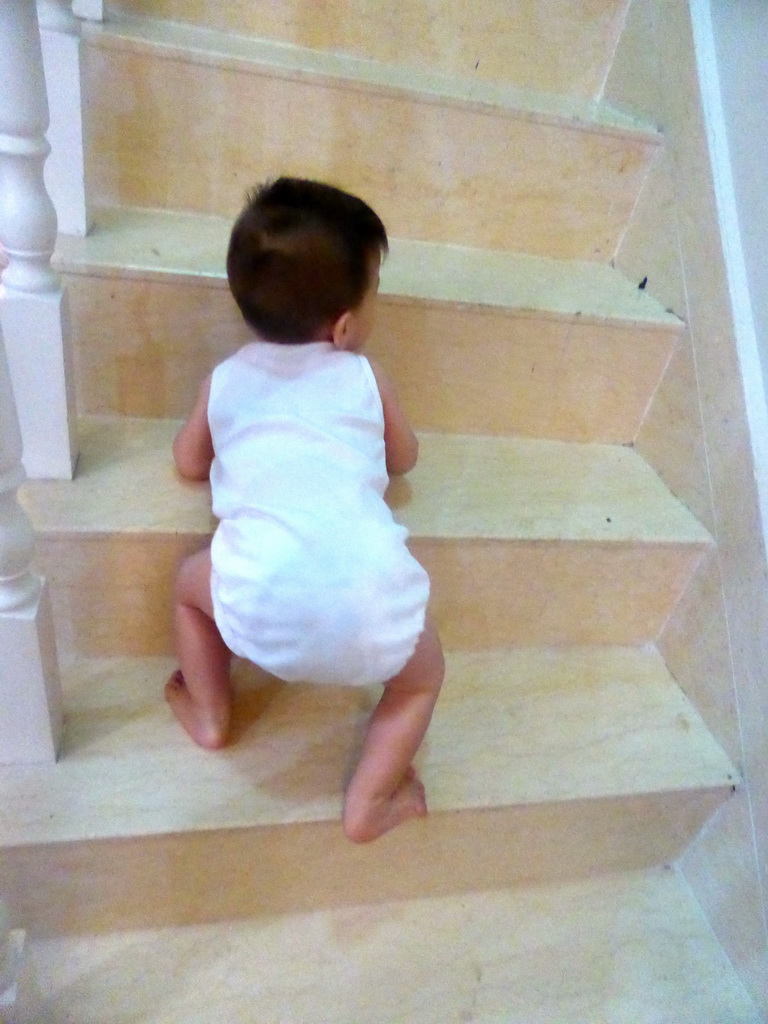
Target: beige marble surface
x=462, y=487
x=175, y=879
x=170, y=246
x=545, y=44
x=510, y=729
x=112, y=593
x=695, y=646
x=569, y=197
x=483, y=592
x=479, y=341
x=721, y=866
x=671, y=437
x=697, y=439
x=143, y=346
x=226, y=49
x=525, y=541
x=720, y=869
x=650, y=246
x=613, y=950
x=494, y=372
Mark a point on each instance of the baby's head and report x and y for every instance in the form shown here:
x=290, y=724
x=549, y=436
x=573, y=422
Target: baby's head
x=303, y=263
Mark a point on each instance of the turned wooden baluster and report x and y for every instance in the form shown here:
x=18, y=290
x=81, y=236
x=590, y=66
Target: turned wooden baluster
x=33, y=308
x=30, y=695
x=65, y=167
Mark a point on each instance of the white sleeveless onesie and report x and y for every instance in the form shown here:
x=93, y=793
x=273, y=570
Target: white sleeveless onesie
x=312, y=579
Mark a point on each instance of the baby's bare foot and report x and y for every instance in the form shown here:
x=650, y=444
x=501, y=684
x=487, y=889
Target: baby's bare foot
x=364, y=824
x=207, y=729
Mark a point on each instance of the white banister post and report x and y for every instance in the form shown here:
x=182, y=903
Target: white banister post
x=65, y=168
x=30, y=692
x=33, y=306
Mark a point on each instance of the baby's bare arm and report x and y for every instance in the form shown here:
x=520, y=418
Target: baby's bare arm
x=401, y=443
x=193, y=447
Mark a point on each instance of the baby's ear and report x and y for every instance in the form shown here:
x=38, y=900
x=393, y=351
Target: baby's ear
x=343, y=332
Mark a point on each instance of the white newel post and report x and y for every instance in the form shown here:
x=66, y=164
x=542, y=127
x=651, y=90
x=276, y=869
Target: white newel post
x=33, y=305
x=30, y=694
x=32, y=311
x=65, y=167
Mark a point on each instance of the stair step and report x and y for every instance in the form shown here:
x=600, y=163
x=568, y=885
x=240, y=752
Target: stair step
x=567, y=54
x=205, y=45
x=538, y=764
x=531, y=542
x=572, y=351
x=512, y=728
x=172, y=246
x=339, y=109
x=615, y=949
x=462, y=487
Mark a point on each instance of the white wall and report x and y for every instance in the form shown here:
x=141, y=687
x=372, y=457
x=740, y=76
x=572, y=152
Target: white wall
x=732, y=54
x=740, y=30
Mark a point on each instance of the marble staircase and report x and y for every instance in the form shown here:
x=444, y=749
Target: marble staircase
x=566, y=770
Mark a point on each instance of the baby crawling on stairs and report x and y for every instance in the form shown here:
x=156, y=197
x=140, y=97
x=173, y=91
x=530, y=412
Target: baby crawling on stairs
x=308, y=575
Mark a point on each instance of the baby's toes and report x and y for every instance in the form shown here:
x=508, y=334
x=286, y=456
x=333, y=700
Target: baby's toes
x=419, y=797
x=411, y=799
x=176, y=681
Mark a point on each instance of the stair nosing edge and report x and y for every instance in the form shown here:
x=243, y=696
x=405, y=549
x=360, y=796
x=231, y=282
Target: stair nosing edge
x=116, y=35
x=654, y=318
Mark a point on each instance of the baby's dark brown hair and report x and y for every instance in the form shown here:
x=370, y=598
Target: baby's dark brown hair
x=300, y=255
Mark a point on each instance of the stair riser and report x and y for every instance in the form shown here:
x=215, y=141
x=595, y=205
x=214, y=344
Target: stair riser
x=198, y=877
x=565, y=50
x=112, y=594
x=459, y=369
x=432, y=170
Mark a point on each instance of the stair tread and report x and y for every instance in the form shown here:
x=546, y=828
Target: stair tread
x=226, y=49
x=154, y=243
x=463, y=487
x=614, y=949
x=516, y=727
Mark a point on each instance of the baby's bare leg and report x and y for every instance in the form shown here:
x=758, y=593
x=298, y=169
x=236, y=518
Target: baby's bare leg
x=384, y=790
x=200, y=693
